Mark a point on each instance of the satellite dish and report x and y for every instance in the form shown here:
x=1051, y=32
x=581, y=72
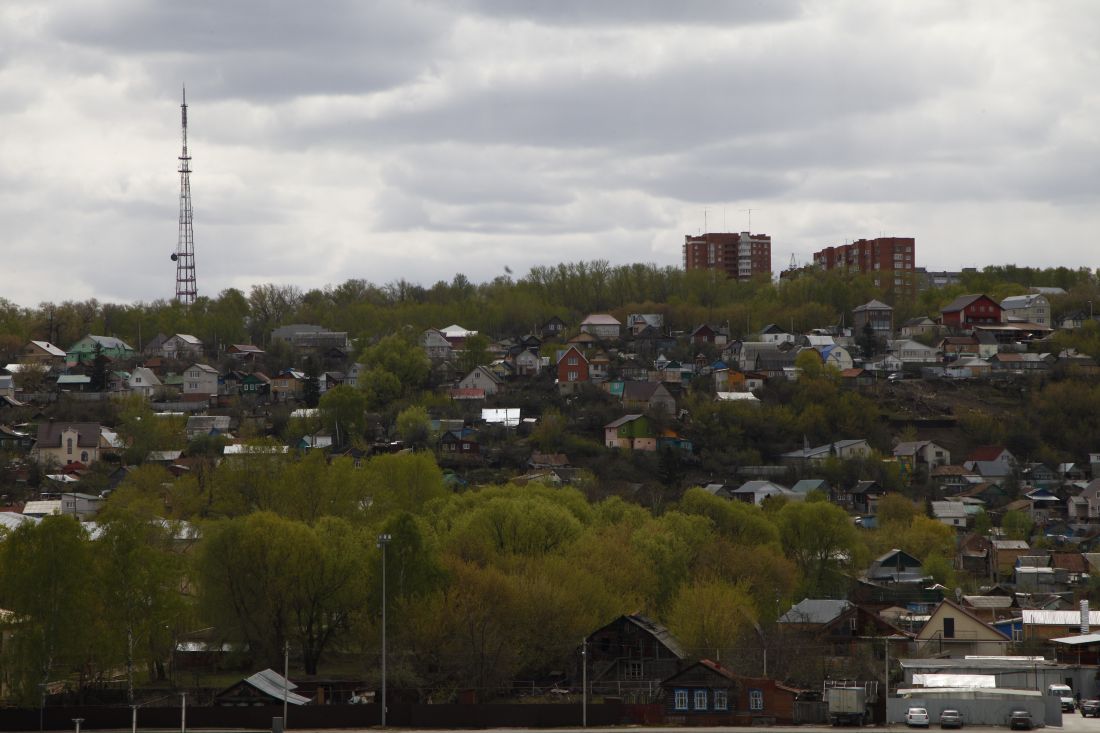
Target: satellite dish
x=173, y=257
x=958, y=595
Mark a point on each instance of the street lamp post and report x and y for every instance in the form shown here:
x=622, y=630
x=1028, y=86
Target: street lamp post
x=383, y=540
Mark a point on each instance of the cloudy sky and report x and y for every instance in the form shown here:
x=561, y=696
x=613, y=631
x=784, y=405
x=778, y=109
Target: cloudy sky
x=411, y=139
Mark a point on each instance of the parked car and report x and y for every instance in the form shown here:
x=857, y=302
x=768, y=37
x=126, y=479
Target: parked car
x=1020, y=720
x=1090, y=707
x=916, y=717
x=951, y=719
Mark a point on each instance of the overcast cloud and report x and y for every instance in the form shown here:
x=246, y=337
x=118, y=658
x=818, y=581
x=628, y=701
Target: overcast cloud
x=395, y=139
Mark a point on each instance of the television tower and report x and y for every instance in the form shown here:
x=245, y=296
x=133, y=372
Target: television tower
x=184, y=256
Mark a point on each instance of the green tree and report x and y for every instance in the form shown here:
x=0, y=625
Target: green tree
x=819, y=539
x=45, y=581
x=1017, y=525
x=414, y=427
x=344, y=410
x=138, y=581
x=711, y=618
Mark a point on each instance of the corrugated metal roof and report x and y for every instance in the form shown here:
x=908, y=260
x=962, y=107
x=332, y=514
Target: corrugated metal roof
x=1043, y=617
x=971, y=681
x=814, y=611
x=274, y=684
x=1078, y=640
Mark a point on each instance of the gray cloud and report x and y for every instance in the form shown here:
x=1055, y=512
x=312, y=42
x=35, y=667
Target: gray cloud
x=393, y=139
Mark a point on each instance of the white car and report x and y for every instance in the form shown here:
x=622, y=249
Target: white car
x=916, y=718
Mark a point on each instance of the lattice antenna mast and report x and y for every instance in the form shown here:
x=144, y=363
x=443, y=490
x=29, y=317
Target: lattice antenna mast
x=184, y=256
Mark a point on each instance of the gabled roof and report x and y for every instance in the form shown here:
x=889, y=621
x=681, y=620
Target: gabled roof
x=993, y=633
x=600, y=319
x=622, y=421
x=640, y=391
x=872, y=305
x=814, y=611
x=49, y=348
x=49, y=433
x=985, y=453
x=202, y=367
x=963, y=301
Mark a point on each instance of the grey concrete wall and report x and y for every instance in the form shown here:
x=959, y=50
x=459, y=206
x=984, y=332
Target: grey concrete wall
x=1044, y=711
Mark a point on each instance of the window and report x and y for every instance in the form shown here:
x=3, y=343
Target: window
x=756, y=699
x=84, y=456
x=700, y=699
x=572, y=361
x=69, y=446
x=633, y=669
x=681, y=699
x=572, y=376
x=948, y=627
x=721, y=700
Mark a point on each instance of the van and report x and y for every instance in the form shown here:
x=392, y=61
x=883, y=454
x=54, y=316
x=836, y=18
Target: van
x=1065, y=694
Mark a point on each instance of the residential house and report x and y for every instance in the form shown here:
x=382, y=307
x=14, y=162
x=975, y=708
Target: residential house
x=15, y=441
x=842, y=449
x=181, y=346
x=330, y=380
x=1044, y=625
x=908, y=351
x=919, y=326
x=61, y=443
x=7, y=386
x=708, y=694
x=1020, y=363
x=482, y=378
x=256, y=383
x=144, y=382
x=864, y=496
x=707, y=334
x=1034, y=574
x=755, y=492
x=630, y=432
x=636, y=323
x=552, y=329
x=1085, y=507
x=772, y=333
x=975, y=555
x=1005, y=554
x=967, y=310
x=990, y=462
x=572, y=367
x=835, y=356
x=951, y=513
x=876, y=313
x=200, y=425
x=702, y=694
x=85, y=350
x=599, y=366
x=1030, y=308
x=959, y=347
x=648, y=397
x=245, y=352
x=436, y=345
x=920, y=456
x=288, y=384
x=200, y=381
x=951, y=478
x=152, y=348
x=603, y=326
x=630, y=656
x=955, y=632
x=74, y=383
x=462, y=442
x=806, y=485
x=309, y=337
x=857, y=378
x=527, y=363
x=42, y=352
x=896, y=566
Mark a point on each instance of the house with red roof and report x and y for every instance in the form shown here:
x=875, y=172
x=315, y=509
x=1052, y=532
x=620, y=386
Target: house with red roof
x=968, y=310
x=990, y=461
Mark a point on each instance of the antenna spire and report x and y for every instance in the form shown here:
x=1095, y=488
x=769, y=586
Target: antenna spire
x=184, y=256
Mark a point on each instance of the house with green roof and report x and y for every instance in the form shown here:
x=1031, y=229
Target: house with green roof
x=84, y=351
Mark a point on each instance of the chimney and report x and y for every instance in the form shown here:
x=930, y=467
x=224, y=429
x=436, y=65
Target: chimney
x=1085, y=616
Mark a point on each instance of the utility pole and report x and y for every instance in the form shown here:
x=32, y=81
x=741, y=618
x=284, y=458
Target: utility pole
x=383, y=540
x=286, y=679
x=584, y=682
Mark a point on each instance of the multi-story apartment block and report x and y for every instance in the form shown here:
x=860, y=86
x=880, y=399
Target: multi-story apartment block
x=742, y=256
x=891, y=261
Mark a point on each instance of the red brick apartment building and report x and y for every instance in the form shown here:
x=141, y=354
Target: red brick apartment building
x=741, y=256
x=890, y=260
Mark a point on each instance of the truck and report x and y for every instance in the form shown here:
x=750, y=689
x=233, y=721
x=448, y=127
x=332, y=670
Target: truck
x=847, y=705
